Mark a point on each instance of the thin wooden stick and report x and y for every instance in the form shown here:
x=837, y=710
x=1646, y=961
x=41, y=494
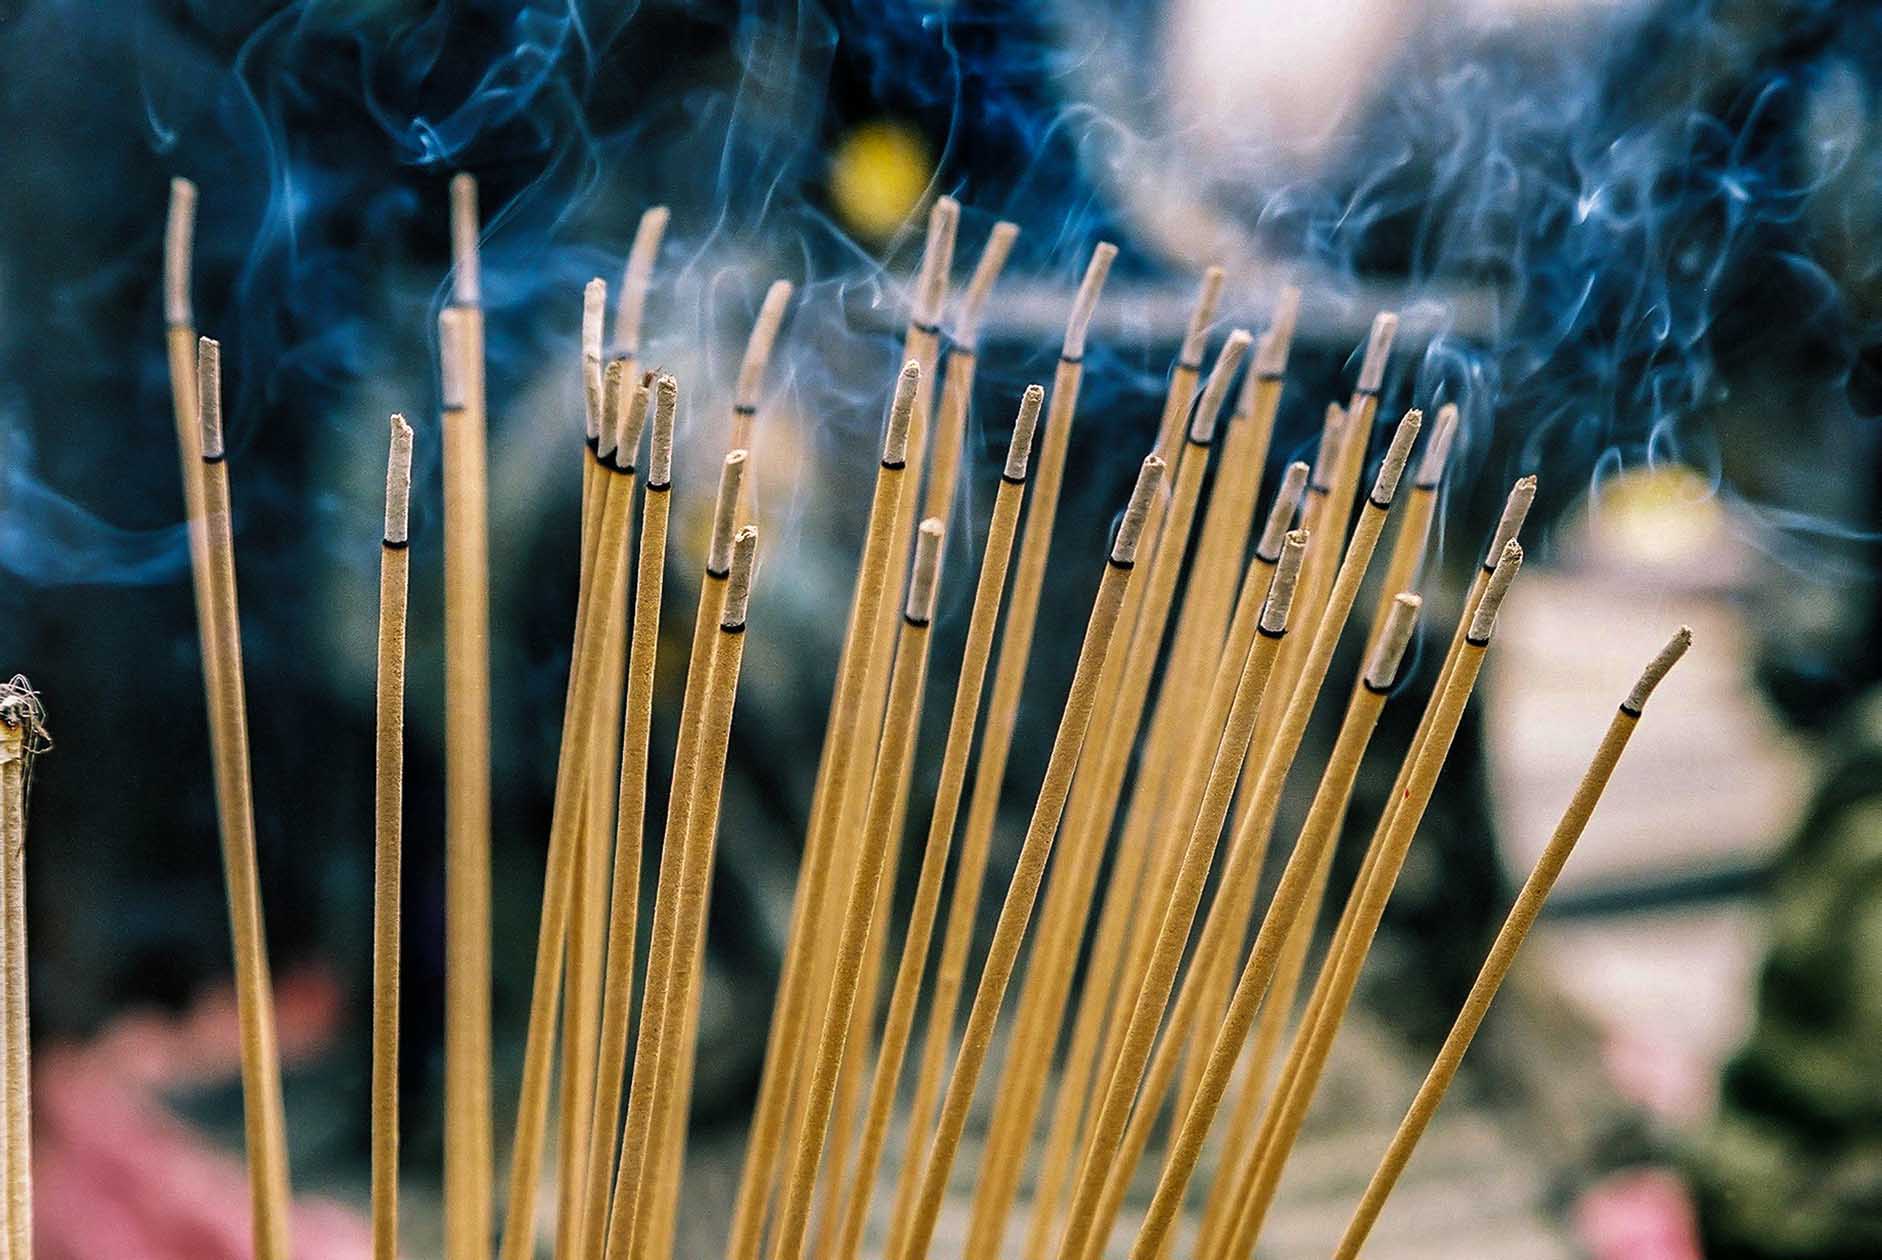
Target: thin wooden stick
x=1084, y=1232
x=563, y=864
x=1509, y=939
x=639, y=1133
x=469, y=1158
x=388, y=841
x=1029, y=868
x=897, y=747
x=1127, y=894
x=796, y=987
x=1406, y=816
x=975, y=654
x=1240, y=1178
x=261, y=1068
x=997, y=740
x=1041, y=1007
x=630, y=821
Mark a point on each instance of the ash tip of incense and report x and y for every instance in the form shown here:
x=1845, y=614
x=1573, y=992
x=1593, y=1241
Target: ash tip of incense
x=993, y=256
x=1025, y=425
x=1389, y=653
x=209, y=395
x=451, y=359
x=1271, y=357
x=614, y=402
x=1208, y=300
x=399, y=481
x=1329, y=450
x=901, y=415
x=22, y=710
x=1286, y=503
x=1658, y=668
x=1378, y=351
x=632, y=423
x=1438, y=449
x=594, y=320
x=1130, y=529
x=179, y=244
x=630, y=307
x=1515, y=511
x=1085, y=305
x=937, y=259
x=764, y=337
x=1396, y=455
x=725, y=509
x=924, y=577
x=666, y=405
x=1209, y=406
x=1281, y=589
x=467, y=282
x=1483, y=624
x=741, y=567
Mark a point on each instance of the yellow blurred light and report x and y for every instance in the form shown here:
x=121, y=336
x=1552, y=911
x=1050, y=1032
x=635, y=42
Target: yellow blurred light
x=878, y=174
x=1659, y=514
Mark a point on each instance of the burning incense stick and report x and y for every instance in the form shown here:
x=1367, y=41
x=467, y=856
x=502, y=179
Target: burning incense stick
x=1509, y=939
x=957, y=388
x=898, y=738
x=22, y=739
x=388, y=842
x=263, y=1121
x=630, y=820
x=630, y=304
x=469, y=1161
x=995, y=560
x=1029, y=869
x=796, y=988
x=997, y=740
x=562, y=865
x=751, y=369
x=1409, y=812
x=1068, y=902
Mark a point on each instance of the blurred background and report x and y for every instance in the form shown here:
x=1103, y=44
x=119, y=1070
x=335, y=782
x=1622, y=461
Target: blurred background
x=1635, y=242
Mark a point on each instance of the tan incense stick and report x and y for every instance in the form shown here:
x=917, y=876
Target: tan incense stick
x=1029, y=869
x=261, y=1069
x=997, y=740
x=469, y=1160
x=975, y=653
x=1509, y=939
x=388, y=842
x=957, y=386
x=22, y=739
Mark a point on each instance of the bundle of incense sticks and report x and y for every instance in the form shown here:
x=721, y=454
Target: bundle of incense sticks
x=1204, y=655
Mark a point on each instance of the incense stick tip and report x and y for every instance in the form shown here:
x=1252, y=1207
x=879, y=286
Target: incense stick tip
x=725, y=512
x=1394, y=637
x=740, y=565
x=1209, y=406
x=758, y=347
x=1657, y=670
x=467, y=281
x=1483, y=624
x=614, y=402
x=666, y=406
x=1329, y=449
x=1378, y=351
x=1281, y=515
x=1438, y=449
x=1278, y=340
x=632, y=422
x=980, y=287
x=925, y=576
x=399, y=482
x=451, y=359
x=1025, y=426
x=179, y=244
x=1130, y=528
x=901, y=416
x=1286, y=578
x=630, y=306
x=1515, y=512
x=209, y=395
x=937, y=259
x=1392, y=468
x=1086, y=303
x=1208, y=300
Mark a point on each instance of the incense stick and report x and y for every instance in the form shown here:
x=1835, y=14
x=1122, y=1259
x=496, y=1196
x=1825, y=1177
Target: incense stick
x=630, y=304
x=261, y=1069
x=957, y=387
x=640, y=1131
x=22, y=739
x=1029, y=869
x=997, y=740
x=388, y=841
x=975, y=653
x=630, y=821
x=1509, y=939
x=469, y=1159
x=898, y=737
x=1286, y=1117
x=796, y=988
x=751, y=369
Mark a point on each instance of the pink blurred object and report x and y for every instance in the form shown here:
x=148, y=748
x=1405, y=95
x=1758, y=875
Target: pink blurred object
x=119, y=1177
x=1641, y=1214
